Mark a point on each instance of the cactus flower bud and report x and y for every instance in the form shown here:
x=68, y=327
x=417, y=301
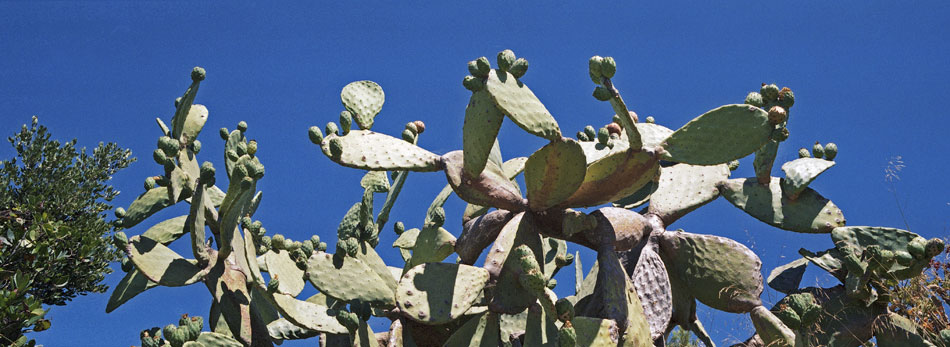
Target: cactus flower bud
x=566, y=336
x=399, y=228
x=831, y=151
x=223, y=132
x=519, y=68
x=408, y=136
x=608, y=67
x=777, y=115
x=420, y=127
x=803, y=153
x=149, y=183
x=505, y=59
x=472, y=83
x=602, y=94
x=565, y=310
x=331, y=129
x=603, y=136
x=483, y=67
x=769, y=92
x=242, y=126
x=316, y=136
x=198, y=74
x=120, y=240
x=594, y=66
x=754, y=99
x=160, y=157
x=277, y=242
x=818, y=150
x=346, y=121
x=252, y=148
x=119, y=212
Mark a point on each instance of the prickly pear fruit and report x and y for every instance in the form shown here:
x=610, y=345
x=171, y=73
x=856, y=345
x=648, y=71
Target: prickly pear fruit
x=255, y=226
x=754, y=99
x=399, y=228
x=336, y=147
x=273, y=285
x=564, y=260
x=196, y=146
x=349, y=320
x=551, y=283
x=437, y=217
x=803, y=153
x=472, y=83
x=322, y=247
x=315, y=239
x=594, y=68
x=613, y=128
x=917, y=247
x=349, y=246
x=566, y=336
x=168, y=145
x=126, y=264
x=603, y=135
x=277, y=242
x=241, y=148
x=616, y=119
x=505, y=59
x=769, y=92
x=777, y=115
x=650, y=120
x=786, y=98
x=151, y=338
x=198, y=74
x=473, y=67
x=346, y=121
x=591, y=132
x=482, y=67
x=565, y=310
x=582, y=136
x=831, y=151
x=602, y=94
x=316, y=136
x=788, y=316
x=733, y=165
x=266, y=240
x=119, y=212
x=420, y=127
x=223, y=132
x=779, y=135
x=288, y=245
x=252, y=148
x=331, y=128
x=232, y=155
x=175, y=336
x=519, y=68
x=608, y=67
x=149, y=183
x=408, y=136
x=818, y=150
x=411, y=126
x=307, y=247
x=160, y=157
x=194, y=325
x=120, y=240
x=934, y=247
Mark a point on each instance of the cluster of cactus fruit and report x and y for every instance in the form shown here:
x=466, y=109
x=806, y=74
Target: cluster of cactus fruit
x=646, y=278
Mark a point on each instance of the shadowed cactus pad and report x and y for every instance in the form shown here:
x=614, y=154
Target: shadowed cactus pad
x=436, y=293
x=810, y=213
x=518, y=102
x=553, y=173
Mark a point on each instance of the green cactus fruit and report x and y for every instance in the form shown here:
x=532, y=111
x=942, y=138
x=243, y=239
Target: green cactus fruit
x=565, y=310
x=769, y=92
x=777, y=115
x=594, y=66
x=603, y=135
x=349, y=320
x=316, y=136
x=127, y=264
x=733, y=165
x=566, y=336
x=242, y=126
x=277, y=242
x=232, y=155
x=408, y=136
x=591, y=132
x=552, y=283
x=519, y=68
x=803, y=153
x=346, y=121
x=420, y=126
x=315, y=239
x=411, y=126
x=917, y=247
x=608, y=67
x=198, y=74
x=788, y=316
x=322, y=247
x=224, y=133
x=581, y=136
x=602, y=94
x=831, y=151
x=255, y=170
x=351, y=246
x=251, y=148
x=273, y=285
x=160, y=157
x=149, y=183
x=934, y=247
x=331, y=129
x=754, y=99
x=260, y=233
x=482, y=67
x=473, y=83
x=616, y=119
x=241, y=148
x=206, y=172
x=904, y=258
x=246, y=222
x=120, y=240
x=119, y=212
x=194, y=324
x=613, y=128
x=786, y=98
x=472, y=67
x=307, y=247
x=196, y=146
x=175, y=336
x=505, y=59
x=255, y=226
x=650, y=120
x=168, y=145
x=288, y=245
x=399, y=228
x=266, y=240
x=563, y=260
x=151, y=338
x=779, y=135
x=336, y=147
x=818, y=150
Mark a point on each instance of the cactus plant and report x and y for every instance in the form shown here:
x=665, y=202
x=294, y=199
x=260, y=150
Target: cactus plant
x=646, y=280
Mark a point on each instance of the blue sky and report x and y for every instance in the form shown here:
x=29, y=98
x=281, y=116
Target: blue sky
x=869, y=76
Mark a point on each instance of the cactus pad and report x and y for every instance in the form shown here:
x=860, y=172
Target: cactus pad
x=491, y=188
x=364, y=99
x=719, y=136
x=771, y=329
x=147, y=204
x=786, y=278
x=131, y=285
x=375, y=181
x=810, y=213
x=437, y=293
x=480, y=331
x=291, y=277
x=683, y=188
x=504, y=266
x=482, y=122
x=800, y=172
x=367, y=150
x=730, y=273
x=162, y=265
x=518, y=102
x=553, y=173
x=652, y=283
x=348, y=278
x=652, y=134
x=764, y=159
x=596, y=332
x=306, y=314
x=627, y=170
x=432, y=245
x=167, y=231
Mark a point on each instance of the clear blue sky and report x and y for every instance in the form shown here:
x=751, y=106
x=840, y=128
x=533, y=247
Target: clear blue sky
x=870, y=76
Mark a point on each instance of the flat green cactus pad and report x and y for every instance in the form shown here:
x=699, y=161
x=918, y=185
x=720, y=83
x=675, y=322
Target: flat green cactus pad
x=764, y=159
x=810, y=213
x=504, y=267
x=722, y=273
x=786, y=278
x=828, y=260
x=364, y=99
x=208, y=338
x=553, y=173
x=860, y=237
x=652, y=283
x=684, y=188
x=719, y=136
x=800, y=172
x=490, y=188
x=482, y=122
x=167, y=231
x=183, y=110
x=539, y=329
x=368, y=255
x=147, y=204
x=437, y=293
x=194, y=122
x=234, y=138
x=895, y=330
x=285, y=269
x=518, y=102
x=771, y=329
x=407, y=240
x=652, y=135
x=841, y=322
x=162, y=265
x=479, y=331
x=594, y=151
x=596, y=332
x=613, y=177
x=432, y=245
x=376, y=181
x=367, y=150
x=640, y=197
x=283, y=329
x=514, y=166
x=306, y=314
x=553, y=248
x=347, y=278
x=131, y=285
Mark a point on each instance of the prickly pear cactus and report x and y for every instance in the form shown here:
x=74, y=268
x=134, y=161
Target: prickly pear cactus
x=646, y=279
